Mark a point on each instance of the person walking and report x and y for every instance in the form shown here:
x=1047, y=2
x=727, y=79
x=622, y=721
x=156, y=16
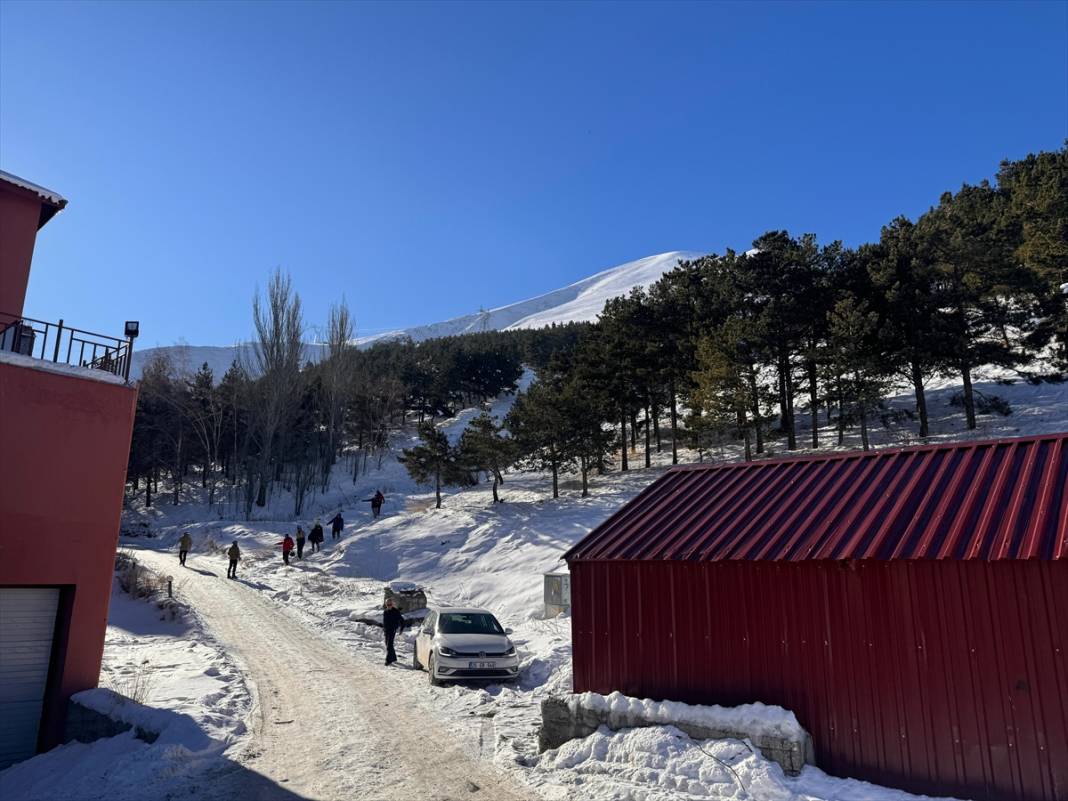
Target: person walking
x=300, y=543
x=316, y=537
x=336, y=525
x=376, y=502
x=287, y=547
x=392, y=623
x=235, y=556
x=184, y=544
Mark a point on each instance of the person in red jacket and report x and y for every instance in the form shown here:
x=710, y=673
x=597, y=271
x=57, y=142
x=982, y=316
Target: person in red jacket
x=287, y=546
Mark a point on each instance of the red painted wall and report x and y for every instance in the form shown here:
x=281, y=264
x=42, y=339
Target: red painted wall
x=943, y=677
x=64, y=442
x=20, y=211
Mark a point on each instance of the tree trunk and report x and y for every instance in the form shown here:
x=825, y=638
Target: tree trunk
x=585, y=467
x=921, y=398
x=788, y=395
x=969, y=399
x=556, y=480
x=814, y=400
x=841, y=409
x=674, y=425
x=743, y=429
x=496, y=481
x=754, y=407
x=623, y=441
x=656, y=426
x=634, y=430
x=648, y=436
x=437, y=488
x=148, y=493
x=864, y=426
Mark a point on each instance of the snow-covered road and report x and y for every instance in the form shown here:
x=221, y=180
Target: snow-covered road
x=326, y=726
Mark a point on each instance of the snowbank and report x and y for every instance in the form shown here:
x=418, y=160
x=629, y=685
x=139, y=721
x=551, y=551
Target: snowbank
x=752, y=719
x=758, y=719
x=662, y=763
x=171, y=728
x=773, y=730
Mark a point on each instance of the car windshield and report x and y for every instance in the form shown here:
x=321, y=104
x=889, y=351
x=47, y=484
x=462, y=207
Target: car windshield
x=469, y=623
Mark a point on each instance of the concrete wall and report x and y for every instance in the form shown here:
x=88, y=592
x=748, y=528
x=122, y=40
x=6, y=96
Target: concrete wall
x=20, y=212
x=64, y=443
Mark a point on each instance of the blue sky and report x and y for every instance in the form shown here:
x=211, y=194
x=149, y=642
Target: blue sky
x=426, y=160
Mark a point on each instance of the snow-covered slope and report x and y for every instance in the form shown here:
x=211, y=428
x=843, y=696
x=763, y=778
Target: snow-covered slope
x=579, y=302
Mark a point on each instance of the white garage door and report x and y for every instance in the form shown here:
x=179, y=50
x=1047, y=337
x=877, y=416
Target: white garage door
x=27, y=623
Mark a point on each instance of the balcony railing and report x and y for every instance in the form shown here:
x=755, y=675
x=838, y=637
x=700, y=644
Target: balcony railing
x=59, y=343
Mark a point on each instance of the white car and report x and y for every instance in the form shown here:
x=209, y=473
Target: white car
x=461, y=643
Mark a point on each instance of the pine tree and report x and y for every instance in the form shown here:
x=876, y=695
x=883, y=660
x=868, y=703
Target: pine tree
x=1037, y=212
x=484, y=449
x=435, y=461
x=857, y=359
x=978, y=276
x=538, y=424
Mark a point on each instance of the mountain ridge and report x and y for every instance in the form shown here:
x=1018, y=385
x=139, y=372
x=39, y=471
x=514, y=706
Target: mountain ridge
x=581, y=301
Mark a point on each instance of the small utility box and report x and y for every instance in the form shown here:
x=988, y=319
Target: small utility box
x=406, y=596
x=557, y=593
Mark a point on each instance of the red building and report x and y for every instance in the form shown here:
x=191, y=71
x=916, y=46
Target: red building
x=66, y=415
x=908, y=605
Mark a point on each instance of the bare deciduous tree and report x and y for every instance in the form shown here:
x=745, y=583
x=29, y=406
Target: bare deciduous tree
x=276, y=355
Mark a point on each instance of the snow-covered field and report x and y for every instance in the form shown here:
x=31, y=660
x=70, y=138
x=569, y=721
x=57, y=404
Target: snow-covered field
x=474, y=552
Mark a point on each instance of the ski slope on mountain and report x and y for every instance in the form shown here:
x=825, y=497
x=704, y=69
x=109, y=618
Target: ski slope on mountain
x=579, y=302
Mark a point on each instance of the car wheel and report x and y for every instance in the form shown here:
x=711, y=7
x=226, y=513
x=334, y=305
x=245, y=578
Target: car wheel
x=415, y=657
x=431, y=669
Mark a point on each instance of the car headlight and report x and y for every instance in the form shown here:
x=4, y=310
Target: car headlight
x=510, y=651
x=446, y=651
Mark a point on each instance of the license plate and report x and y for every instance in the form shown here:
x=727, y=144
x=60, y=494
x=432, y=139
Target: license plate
x=481, y=665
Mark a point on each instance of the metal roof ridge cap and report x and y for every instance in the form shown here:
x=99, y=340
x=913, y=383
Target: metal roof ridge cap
x=860, y=454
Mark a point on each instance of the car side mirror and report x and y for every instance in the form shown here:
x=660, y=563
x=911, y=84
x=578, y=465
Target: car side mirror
x=507, y=631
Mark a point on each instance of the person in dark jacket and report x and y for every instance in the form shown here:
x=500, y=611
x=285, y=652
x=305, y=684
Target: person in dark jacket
x=392, y=623
x=376, y=502
x=184, y=544
x=336, y=525
x=235, y=556
x=287, y=547
x=300, y=542
x=316, y=536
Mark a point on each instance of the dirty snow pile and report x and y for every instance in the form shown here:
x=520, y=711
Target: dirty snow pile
x=661, y=763
x=750, y=719
x=191, y=694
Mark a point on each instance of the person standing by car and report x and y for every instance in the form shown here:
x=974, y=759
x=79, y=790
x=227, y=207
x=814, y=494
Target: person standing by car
x=392, y=622
x=287, y=547
x=235, y=556
x=336, y=526
x=300, y=542
x=316, y=536
x=184, y=544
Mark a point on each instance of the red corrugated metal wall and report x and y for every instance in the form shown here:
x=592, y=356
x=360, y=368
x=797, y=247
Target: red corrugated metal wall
x=941, y=677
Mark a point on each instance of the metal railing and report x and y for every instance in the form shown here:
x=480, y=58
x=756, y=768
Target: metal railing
x=59, y=343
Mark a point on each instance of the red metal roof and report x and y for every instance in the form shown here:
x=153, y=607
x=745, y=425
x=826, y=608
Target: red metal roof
x=985, y=500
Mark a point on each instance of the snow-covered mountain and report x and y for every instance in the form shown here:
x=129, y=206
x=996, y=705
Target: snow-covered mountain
x=579, y=302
